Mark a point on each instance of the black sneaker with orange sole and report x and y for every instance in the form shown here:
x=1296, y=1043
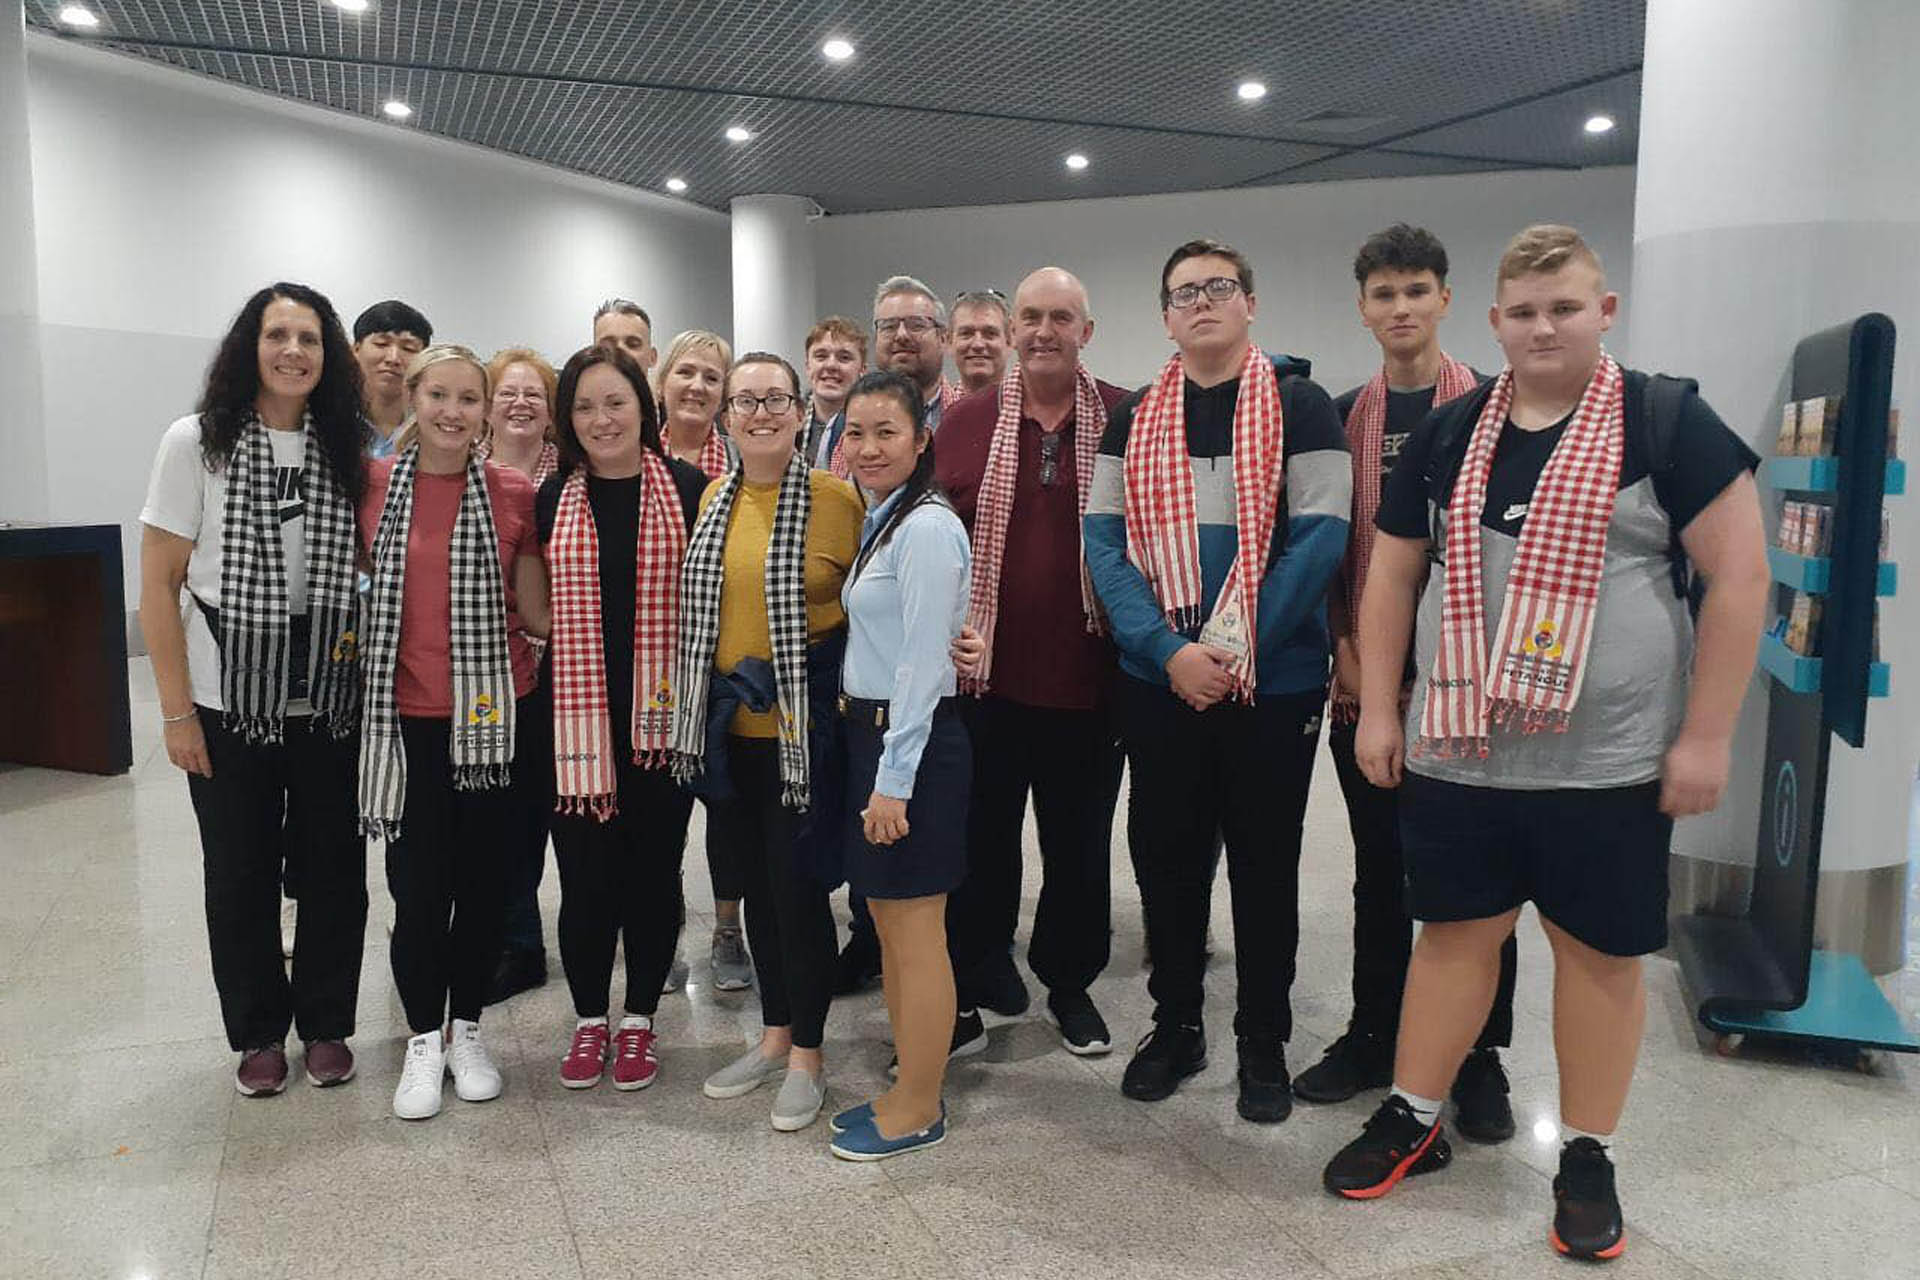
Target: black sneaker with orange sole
x=1393, y=1145
x=1586, y=1212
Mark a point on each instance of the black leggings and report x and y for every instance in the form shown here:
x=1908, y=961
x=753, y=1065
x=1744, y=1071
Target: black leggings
x=447, y=873
x=621, y=878
x=789, y=923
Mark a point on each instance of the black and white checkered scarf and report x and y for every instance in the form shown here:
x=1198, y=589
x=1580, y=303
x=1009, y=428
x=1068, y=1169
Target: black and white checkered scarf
x=254, y=628
x=483, y=705
x=701, y=576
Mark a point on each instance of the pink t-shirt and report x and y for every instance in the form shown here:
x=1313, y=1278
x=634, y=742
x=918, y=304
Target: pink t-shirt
x=423, y=679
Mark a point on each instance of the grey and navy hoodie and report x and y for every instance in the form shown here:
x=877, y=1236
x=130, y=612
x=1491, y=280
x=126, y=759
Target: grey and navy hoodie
x=1309, y=532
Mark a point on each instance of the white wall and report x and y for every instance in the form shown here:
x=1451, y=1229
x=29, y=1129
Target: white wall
x=163, y=199
x=1301, y=240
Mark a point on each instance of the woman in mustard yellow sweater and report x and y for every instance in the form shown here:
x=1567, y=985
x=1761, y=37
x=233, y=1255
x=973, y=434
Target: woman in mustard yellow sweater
x=761, y=637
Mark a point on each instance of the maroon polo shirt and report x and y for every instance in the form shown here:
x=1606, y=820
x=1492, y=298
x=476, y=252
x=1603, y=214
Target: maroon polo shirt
x=1043, y=655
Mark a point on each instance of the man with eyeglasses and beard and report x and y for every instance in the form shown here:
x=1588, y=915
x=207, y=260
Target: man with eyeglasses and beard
x=909, y=335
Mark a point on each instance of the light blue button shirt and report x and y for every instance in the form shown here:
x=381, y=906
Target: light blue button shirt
x=904, y=610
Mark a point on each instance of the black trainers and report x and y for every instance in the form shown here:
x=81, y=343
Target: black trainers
x=858, y=966
x=1002, y=991
x=1354, y=1062
x=1266, y=1093
x=1164, y=1057
x=1393, y=1145
x=520, y=969
x=969, y=1037
x=1480, y=1108
x=1082, y=1030
x=1586, y=1212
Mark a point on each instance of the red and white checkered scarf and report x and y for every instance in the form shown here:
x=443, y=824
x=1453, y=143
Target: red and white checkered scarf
x=582, y=729
x=1366, y=436
x=995, y=504
x=544, y=466
x=713, y=454
x=1553, y=589
x=1163, y=532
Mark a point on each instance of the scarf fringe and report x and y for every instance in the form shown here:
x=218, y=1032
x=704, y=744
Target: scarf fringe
x=661, y=758
x=257, y=731
x=599, y=808
x=1515, y=718
x=688, y=767
x=1460, y=748
x=1343, y=711
x=796, y=796
x=387, y=829
x=1185, y=618
x=482, y=777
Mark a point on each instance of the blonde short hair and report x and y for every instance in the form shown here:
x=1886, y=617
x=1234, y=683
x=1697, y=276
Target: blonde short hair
x=1545, y=247
x=439, y=353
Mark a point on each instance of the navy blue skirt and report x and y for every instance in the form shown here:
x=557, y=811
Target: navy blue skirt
x=932, y=858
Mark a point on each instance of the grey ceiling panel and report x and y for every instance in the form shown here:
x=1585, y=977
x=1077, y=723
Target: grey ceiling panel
x=1377, y=164
x=1550, y=131
x=942, y=104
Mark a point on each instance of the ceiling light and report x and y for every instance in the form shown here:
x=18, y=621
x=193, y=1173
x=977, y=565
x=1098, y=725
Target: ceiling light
x=1251, y=91
x=75, y=16
x=396, y=108
x=1599, y=124
x=677, y=185
x=353, y=6
x=837, y=50
x=739, y=133
x=1076, y=162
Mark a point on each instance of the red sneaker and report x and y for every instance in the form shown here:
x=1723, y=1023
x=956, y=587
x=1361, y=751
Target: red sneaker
x=586, y=1058
x=634, y=1062
x=262, y=1072
x=329, y=1062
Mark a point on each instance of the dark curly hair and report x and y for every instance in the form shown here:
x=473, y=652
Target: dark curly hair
x=571, y=453
x=1401, y=248
x=233, y=386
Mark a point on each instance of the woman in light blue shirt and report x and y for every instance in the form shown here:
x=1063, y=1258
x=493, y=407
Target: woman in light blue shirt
x=909, y=766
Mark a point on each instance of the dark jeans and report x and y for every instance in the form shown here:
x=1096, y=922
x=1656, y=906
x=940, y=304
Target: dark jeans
x=533, y=788
x=241, y=810
x=1241, y=771
x=1382, y=929
x=447, y=872
x=789, y=924
x=1069, y=761
x=620, y=879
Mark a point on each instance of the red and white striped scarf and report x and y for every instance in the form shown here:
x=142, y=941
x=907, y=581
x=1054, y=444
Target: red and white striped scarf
x=994, y=508
x=548, y=465
x=1163, y=532
x=713, y=454
x=582, y=730
x=1366, y=435
x=1553, y=588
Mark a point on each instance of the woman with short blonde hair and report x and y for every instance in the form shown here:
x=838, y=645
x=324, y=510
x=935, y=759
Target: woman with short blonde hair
x=692, y=381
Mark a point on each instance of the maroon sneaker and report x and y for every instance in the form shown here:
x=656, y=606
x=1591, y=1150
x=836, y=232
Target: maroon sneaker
x=587, y=1057
x=634, y=1062
x=329, y=1062
x=262, y=1072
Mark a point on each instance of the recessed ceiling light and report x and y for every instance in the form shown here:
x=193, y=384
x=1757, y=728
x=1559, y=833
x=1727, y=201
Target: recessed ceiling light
x=353, y=6
x=76, y=16
x=837, y=50
x=396, y=108
x=1076, y=161
x=1251, y=91
x=1599, y=124
x=677, y=185
x=739, y=133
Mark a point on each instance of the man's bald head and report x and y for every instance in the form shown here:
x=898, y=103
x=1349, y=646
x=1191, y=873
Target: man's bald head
x=1051, y=323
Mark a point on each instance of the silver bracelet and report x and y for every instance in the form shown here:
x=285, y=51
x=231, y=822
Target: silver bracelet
x=184, y=715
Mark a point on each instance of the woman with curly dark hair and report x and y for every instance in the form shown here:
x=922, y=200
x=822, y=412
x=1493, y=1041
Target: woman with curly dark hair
x=249, y=609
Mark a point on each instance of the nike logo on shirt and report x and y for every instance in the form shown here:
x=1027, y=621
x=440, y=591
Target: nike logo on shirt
x=1515, y=512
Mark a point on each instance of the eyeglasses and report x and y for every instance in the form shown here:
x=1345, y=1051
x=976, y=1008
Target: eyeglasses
x=775, y=402
x=1049, y=458
x=915, y=325
x=531, y=396
x=1218, y=289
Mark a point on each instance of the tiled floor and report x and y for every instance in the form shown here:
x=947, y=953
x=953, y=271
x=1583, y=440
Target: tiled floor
x=124, y=1151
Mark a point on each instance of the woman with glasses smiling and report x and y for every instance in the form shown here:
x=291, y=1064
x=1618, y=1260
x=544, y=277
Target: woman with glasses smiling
x=761, y=637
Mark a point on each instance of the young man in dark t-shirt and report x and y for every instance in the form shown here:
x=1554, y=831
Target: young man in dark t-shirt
x=1565, y=709
x=1402, y=277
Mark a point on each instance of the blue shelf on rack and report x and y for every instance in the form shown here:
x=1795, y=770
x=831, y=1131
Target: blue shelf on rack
x=1802, y=674
x=1812, y=573
x=1822, y=475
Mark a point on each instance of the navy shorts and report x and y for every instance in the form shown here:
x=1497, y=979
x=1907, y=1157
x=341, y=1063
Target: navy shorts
x=1593, y=861
x=933, y=856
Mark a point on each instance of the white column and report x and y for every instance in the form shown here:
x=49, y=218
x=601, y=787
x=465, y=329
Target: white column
x=773, y=303
x=1778, y=195
x=23, y=441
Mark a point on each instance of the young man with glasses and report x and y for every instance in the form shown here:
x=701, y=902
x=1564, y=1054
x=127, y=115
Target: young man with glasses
x=1016, y=461
x=982, y=324
x=1402, y=277
x=909, y=331
x=1218, y=517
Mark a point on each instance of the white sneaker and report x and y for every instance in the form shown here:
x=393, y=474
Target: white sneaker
x=475, y=1078
x=289, y=918
x=676, y=976
x=418, y=1095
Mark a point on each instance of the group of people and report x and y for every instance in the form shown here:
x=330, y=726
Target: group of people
x=394, y=590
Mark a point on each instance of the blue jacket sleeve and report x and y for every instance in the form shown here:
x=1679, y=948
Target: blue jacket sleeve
x=1138, y=623
x=934, y=563
x=1319, y=511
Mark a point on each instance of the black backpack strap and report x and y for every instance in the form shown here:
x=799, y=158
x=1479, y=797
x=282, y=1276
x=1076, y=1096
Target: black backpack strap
x=1662, y=400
